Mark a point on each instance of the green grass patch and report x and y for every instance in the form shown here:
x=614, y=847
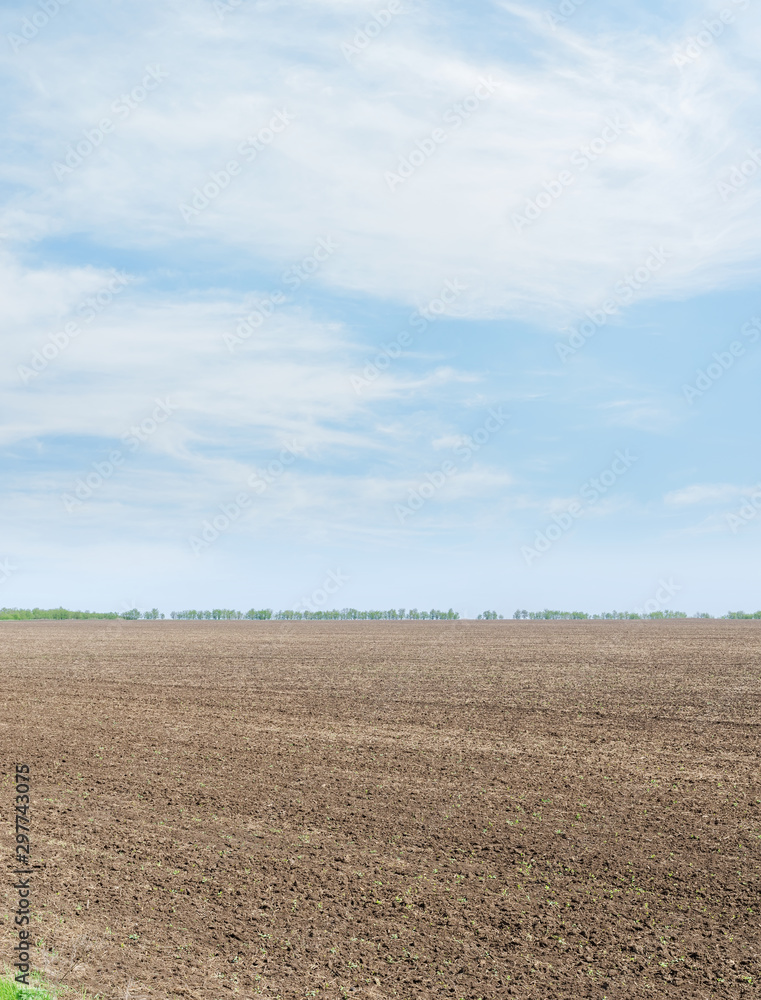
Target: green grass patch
x=11, y=990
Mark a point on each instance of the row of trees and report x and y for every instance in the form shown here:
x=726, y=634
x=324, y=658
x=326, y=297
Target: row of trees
x=227, y=614
x=617, y=615
x=27, y=614
x=347, y=614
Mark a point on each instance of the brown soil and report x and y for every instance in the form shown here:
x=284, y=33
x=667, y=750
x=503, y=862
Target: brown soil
x=378, y=809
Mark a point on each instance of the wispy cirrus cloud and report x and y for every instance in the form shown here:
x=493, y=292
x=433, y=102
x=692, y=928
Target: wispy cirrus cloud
x=587, y=129
x=451, y=217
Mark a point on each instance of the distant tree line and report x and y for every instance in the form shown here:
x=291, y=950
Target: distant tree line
x=26, y=614
x=347, y=614
x=228, y=614
x=350, y=614
x=617, y=615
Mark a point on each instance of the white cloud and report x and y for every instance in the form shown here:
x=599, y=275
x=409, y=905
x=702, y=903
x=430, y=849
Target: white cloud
x=699, y=493
x=450, y=441
x=655, y=185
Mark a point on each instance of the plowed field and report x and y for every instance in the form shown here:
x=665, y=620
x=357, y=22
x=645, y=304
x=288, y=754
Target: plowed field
x=390, y=810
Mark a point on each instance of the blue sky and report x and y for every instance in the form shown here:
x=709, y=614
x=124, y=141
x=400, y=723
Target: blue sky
x=450, y=305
